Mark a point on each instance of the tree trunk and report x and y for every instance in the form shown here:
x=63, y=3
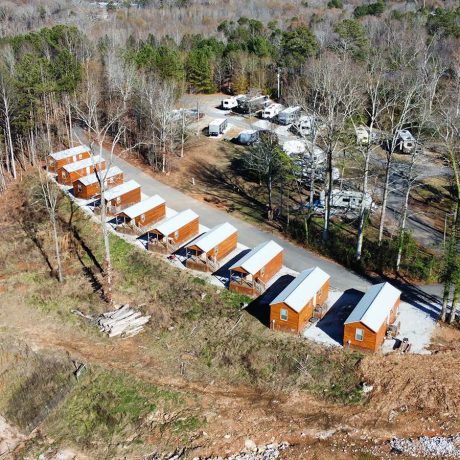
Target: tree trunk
x=56, y=247
x=384, y=200
x=454, y=305
x=327, y=201
x=403, y=227
x=363, y=211
x=107, y=256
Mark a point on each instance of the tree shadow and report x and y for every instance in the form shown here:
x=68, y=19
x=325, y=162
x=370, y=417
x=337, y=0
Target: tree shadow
x=260, y=307
x=333, y=322
x=216, y=179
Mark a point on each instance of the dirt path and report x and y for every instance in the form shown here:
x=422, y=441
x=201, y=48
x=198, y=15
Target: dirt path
x=237, y=413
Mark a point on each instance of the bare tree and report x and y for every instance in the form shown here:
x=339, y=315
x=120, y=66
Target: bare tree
x=6, y=107
x=334, y=94
x=50, y=195
x=99, y=127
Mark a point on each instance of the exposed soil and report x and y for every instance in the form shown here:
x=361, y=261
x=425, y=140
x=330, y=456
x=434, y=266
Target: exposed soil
x=412, y=395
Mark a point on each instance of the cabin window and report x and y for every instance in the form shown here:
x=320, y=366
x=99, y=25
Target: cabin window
x=110, y=180
x=64, y=174
x=262, y=271
x=176, y=235
x=74, y=159
x=118, y=199
x=284, y=314
x=79, y=187
x=359, y=334
x=142, y=217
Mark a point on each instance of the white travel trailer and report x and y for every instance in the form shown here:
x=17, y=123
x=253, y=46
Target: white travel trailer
x=271, y=111
x=294, y=148
x=347, y=200
x=362, y=135
x=405, y=142
x=289, y=115
x=230, y=102
x=217, y=126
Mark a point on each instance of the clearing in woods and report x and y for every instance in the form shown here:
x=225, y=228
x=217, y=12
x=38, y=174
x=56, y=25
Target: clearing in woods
x=191, y=380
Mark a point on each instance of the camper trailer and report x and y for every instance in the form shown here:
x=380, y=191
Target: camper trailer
x=405, y=142
x=362, y=135
x=252, y=104
x=230, y=102
x=271, y=111
x=347, y=200
x=304, y=125
x=248, y=137
x=217, y=126
x=289, y=115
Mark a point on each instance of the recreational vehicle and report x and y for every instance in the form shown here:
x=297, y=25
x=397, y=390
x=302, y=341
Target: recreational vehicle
x=271, y=111
x=347, y=200
x=289, y=115
x=217, y=126
x=362, y=135
x=304, y=125
x=405, y=142
x=248, y=137
x=252, y=104
x=230, y=102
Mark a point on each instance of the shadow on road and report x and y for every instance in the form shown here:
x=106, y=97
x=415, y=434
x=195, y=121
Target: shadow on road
x=333, y=321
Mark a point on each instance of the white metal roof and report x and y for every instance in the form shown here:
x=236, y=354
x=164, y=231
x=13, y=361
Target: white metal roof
x=217, y=121
x=375, y=306
x=143, y=206
x=120, y=190
x=214, y=237
x=294, y=147
x=302, y=289
x=405, y=134
x=92, y=178
x=69, y=152
x=258, y=257
x=291, y=109
x=176, y=222
x=83, y=163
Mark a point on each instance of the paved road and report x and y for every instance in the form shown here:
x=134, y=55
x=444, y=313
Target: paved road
x=296, y=258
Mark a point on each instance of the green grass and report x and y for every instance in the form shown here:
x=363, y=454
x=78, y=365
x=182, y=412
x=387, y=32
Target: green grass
x=107, y=405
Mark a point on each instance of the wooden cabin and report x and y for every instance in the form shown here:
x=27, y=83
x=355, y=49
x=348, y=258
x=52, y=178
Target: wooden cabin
x=367, y=324
x=169, y=235
x=143, y=214
x=122, y=196
x=252, y=272
x=88, y=187
x=57, y=160
x=205, y=252
x=71, y=172
x=300, y=301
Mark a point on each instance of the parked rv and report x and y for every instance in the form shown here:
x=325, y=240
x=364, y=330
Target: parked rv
x=230, y=102
x=362, y=135
x=289, y=115
x=271, y=111
x=304, y=125
x=252, y=104
x=405, y=142
x=217, y=126
x=248, y=137
x=347, y=200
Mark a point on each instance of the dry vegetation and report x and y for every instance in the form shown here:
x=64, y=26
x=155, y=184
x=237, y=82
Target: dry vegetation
x=202, y=368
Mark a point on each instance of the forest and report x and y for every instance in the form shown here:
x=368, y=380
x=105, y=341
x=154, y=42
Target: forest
x=386, y=65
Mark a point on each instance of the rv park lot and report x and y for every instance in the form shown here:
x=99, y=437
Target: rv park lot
x=419, y=308
x=420, y=222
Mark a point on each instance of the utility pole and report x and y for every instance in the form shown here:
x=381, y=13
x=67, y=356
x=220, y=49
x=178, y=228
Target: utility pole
x=278, y=82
